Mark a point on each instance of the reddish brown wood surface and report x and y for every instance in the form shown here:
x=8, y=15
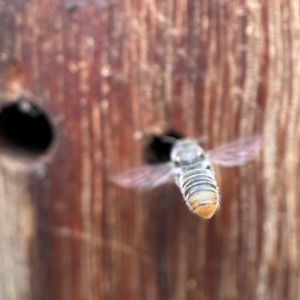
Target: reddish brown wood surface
x=104, y=71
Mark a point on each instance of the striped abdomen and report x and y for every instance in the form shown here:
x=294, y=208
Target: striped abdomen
x=200, y=191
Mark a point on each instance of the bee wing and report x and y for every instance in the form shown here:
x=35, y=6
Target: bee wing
x=145, y=177
x=236, y=153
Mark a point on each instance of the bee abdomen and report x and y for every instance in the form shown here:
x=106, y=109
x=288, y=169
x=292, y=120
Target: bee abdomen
x=200, y=191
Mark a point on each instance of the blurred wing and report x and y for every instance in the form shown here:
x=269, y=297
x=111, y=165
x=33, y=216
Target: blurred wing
x=146, y=177
x=236, y=153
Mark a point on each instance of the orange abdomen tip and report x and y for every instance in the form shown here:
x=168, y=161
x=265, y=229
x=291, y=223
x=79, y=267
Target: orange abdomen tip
x=204, y=204
x=206, y=211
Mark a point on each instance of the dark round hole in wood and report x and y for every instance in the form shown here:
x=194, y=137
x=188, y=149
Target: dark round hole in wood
x=157, y=148
x=24, y=128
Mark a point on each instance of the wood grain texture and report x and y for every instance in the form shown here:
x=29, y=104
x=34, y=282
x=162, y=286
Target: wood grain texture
x=104, y=71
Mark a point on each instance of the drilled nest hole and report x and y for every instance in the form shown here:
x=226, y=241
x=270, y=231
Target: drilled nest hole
x=24, y=129
x=157, y=148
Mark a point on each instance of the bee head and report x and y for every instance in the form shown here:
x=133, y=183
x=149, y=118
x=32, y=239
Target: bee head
x=186, y=152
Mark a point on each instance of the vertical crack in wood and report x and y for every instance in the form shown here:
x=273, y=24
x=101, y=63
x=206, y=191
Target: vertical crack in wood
x=17, y=221
x=291, y=161
x=270, y=235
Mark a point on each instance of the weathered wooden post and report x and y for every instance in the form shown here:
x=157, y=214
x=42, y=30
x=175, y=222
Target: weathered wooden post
x=80, y=81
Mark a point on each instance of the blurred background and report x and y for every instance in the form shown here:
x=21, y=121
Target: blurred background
x=87, y=89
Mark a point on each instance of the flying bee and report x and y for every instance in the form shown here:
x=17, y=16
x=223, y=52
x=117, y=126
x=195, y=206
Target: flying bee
x=192, y=169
